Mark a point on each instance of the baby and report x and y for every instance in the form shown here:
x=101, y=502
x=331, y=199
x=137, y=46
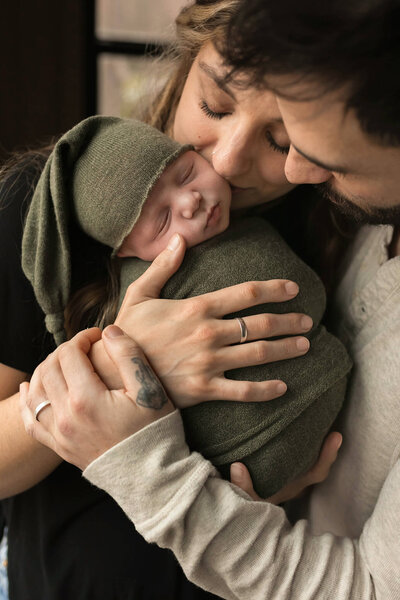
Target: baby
x=131, y=187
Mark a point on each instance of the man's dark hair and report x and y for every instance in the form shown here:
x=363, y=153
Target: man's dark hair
x=331, y=44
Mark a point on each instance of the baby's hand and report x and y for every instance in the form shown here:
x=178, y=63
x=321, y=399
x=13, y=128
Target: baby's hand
x=240, y=476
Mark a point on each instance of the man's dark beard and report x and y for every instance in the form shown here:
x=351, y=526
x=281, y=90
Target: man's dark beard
x=374, y=216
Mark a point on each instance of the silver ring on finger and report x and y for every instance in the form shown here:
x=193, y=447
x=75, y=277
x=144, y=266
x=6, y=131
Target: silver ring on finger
x=41, y=407
x=243, y=330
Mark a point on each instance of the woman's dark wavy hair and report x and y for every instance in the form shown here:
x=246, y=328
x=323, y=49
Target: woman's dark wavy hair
x=352, y=45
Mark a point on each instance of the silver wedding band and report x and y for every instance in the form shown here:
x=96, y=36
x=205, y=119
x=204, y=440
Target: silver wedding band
x=40, y=407
x=243, y=330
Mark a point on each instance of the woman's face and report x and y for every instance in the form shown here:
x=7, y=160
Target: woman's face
x=239, y=130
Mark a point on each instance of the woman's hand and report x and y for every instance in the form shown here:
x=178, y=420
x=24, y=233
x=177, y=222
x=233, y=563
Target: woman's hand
x=240, y=476
x=190, y=345
x=85, y=418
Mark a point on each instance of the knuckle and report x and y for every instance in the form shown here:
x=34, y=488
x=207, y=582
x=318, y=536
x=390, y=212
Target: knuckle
x=198, y=387
x=261, y=351
x=267, y=323
x=245, y=392
x=77, y=403
x=194, y=307
x=64, y=426
x=63, y=352
x=205, y=333
x=251, y=291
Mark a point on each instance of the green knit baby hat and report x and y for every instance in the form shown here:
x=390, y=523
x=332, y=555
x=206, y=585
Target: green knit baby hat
x=99, y=174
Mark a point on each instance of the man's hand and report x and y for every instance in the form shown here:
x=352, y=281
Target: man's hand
x=240, y=476
x=85, y=418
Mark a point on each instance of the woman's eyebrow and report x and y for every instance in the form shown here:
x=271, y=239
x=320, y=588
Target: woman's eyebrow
x=219, y=79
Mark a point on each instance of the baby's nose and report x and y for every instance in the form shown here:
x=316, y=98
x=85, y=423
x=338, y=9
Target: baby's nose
x=191, y=204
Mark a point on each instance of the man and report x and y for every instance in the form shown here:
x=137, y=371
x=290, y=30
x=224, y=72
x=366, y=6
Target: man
x=334, y=69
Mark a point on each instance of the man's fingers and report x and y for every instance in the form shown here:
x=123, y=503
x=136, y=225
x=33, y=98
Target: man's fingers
x=150, y=284
x=241, y=296
x=240, y=476
x=140, y=381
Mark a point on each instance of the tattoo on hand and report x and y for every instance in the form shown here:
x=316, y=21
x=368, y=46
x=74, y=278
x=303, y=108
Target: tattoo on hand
x=152, y=393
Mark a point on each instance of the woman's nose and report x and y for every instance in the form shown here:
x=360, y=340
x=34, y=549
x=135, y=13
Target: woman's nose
x=300, y=170
x=190, y=203
x=230, y=156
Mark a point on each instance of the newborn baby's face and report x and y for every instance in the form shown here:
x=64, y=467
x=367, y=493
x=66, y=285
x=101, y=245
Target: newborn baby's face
x=190, y=198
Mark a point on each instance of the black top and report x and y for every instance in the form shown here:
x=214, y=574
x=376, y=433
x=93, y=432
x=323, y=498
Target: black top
x=67, y=539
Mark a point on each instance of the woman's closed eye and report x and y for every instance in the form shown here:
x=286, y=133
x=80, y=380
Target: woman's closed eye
x=211, y=113
x=274, y=144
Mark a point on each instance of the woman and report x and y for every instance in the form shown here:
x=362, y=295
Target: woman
x=62, y=529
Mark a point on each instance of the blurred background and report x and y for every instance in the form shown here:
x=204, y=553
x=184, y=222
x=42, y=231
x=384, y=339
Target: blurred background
x=63, y=60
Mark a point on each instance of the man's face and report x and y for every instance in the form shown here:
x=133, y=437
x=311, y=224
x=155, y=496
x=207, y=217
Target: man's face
x=328, y=147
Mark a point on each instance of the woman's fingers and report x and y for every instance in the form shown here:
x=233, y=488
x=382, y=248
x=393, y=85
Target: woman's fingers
x=240, y=476
x=265, y=325
x=241, y=296
x=245, y=391
x=318, y=473
x=261, y=352
x=328, y=455
x=150, y=284
x=34, y=427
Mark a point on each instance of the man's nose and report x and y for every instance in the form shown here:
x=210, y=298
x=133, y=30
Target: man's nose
x=300, y=170
x=190, y=204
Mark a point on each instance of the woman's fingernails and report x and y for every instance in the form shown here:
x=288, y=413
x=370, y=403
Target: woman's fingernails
x=174, y=242
x=113, y=331
x=292, y=288
x=236, y=471
x=306, y=323
x=302, y=344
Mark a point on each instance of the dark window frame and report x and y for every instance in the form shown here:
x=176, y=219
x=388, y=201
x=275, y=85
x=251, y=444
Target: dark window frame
x=99, y=46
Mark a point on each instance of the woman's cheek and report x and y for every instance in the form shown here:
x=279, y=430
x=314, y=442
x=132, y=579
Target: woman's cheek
x=273, y=169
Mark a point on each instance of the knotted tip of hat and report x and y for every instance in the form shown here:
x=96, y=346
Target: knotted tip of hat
x=55, y=325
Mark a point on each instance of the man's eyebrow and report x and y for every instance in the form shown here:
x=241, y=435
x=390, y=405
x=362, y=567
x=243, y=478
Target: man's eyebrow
x=219, y=79
x=315, y=161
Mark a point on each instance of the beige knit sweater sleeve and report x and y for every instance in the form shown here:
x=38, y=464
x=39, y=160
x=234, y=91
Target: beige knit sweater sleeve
x=233, y=546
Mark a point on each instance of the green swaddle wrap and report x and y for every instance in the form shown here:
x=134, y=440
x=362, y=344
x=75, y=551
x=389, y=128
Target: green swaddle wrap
x=99, y=175
x=279, y=439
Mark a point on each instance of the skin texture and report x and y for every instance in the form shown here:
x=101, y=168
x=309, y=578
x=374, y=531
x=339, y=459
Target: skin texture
x=187, y=342
x=328, y=146
x=189, y=198
x=240, y=131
